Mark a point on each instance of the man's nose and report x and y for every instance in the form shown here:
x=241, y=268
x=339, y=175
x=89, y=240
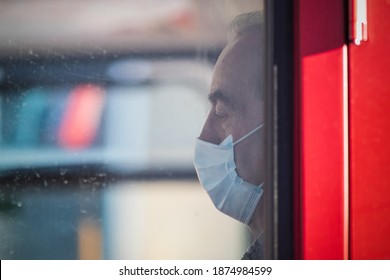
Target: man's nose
x=210, y=130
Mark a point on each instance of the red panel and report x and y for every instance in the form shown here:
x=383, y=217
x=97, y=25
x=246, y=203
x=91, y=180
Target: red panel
x=319, y=93
x=370, y=138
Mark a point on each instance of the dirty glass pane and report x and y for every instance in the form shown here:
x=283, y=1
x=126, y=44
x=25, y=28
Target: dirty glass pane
x=100, y=106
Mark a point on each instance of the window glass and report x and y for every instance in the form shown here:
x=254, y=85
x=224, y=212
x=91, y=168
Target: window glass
x=100, y=106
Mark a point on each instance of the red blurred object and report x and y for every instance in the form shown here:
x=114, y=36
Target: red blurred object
x=370, y=137
x=319, y=174
x=82, y=116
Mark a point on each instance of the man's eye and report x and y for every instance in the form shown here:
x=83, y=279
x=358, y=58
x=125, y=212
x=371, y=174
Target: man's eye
x=220, y=110
x=219, y=114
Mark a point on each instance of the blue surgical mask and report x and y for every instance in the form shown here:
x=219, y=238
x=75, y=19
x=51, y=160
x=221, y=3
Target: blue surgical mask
x=216, y=171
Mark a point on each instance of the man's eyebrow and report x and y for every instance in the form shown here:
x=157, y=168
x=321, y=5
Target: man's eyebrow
x=218, y=96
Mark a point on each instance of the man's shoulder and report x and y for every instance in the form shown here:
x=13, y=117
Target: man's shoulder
x=256, y=250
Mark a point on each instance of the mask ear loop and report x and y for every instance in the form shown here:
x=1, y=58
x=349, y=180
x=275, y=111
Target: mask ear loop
x=247, y=135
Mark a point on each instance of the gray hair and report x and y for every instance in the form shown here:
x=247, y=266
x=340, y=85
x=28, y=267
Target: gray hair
x=251, y=22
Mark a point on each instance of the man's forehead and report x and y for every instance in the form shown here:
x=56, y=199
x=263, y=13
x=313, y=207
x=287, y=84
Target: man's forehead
x=238, y=67
x=241, y=55
x=243, y=47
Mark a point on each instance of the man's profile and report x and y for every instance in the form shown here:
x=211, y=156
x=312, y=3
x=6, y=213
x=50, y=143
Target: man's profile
x=229, y=153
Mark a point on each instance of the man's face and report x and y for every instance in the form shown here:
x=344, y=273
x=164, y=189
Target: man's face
x=237, y=106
